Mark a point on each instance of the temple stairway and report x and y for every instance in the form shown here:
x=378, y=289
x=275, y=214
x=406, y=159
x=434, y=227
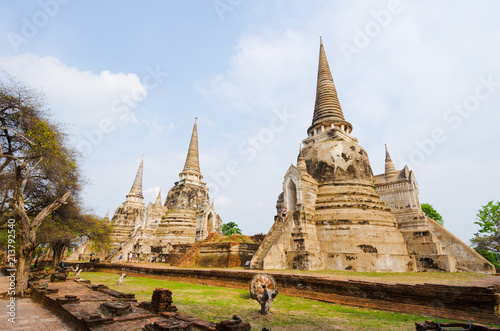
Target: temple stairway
x=273, y=235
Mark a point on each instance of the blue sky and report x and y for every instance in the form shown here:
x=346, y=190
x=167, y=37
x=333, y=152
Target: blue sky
x=128, y=78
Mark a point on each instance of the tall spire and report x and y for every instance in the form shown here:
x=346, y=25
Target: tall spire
x=135, y=193
x=106, y=218
x=390, y=170
x=158, y=199
x=327, y=110
x=301, y=162
x=192, y=165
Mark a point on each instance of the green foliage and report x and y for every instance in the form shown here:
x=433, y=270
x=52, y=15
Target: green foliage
x=5, y=236
x=432, y=213
x=45, y=140
x=487, y=239
x=230, y=229
x=70, y=224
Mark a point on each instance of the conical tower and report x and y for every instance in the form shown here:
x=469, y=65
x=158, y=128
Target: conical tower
x=390, y=170
x=135, y=194
x=191, y=170
x=130, y=214
x=301, y=162
x=189, y=217
x=158, y=199
x=327, y=111
x=354, y=227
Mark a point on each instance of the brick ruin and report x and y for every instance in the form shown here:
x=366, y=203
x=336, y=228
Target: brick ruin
x=97, y=307
x=211, y=253
x=342, y=217
x=478, y=302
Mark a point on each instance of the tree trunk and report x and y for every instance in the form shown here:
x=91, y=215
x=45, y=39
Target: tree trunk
x=27, y=237
x=57, y=252
x=25, y=255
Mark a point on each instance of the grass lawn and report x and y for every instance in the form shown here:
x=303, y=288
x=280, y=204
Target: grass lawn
x=287, y=313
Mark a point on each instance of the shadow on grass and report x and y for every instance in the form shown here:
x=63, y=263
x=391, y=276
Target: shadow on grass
x=245, y=296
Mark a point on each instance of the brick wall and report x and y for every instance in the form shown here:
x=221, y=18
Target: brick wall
x=57, y=309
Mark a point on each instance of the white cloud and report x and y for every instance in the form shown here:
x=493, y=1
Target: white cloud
x=80, y=98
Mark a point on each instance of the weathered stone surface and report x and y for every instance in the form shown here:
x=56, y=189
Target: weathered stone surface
x=161, y=301
x=234, y=324
x=58, y=277
x=434, y=247
x=259, y=282
x=210, y=253
x=116, y=308
x=186, y=217
x=437, y=326
x=263, y=288
x=341, y=217
x=186, y=197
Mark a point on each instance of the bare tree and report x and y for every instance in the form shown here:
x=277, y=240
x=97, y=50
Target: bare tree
x=38, y=171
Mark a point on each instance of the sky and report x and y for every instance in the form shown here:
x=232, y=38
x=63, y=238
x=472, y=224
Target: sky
x=127, y=78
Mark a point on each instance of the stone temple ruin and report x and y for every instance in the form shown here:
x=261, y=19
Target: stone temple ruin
x=342, y=217
x=186, y=217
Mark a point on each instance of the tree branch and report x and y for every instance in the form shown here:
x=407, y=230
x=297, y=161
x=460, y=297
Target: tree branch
x=27, y=174
x=48, y=210
x=17, y=134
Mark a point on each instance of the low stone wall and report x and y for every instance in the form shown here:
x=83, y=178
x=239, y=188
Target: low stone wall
x=57, y=309
x=479, y=304
x=225, y=255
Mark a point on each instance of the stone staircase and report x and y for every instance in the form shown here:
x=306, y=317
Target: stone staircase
x=128, y=246
x=273, y=235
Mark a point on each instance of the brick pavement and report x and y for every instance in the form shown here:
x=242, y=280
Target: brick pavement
x=29, y=314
